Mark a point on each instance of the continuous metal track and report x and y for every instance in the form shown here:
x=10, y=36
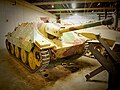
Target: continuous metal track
x=45, y=59
x=45, y=53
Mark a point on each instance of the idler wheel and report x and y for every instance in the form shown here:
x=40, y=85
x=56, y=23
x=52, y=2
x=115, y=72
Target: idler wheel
x=12, y=49
x=23, y=56
x=17, y=52
x=31, y=60
x=37, y=56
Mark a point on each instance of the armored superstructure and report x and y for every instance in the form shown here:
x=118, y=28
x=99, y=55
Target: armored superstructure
x=38, y=44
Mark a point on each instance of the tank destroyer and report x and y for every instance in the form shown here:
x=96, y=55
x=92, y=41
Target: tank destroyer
x=35, y=45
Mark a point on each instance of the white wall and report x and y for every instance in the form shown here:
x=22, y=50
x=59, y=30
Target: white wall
x=11, y=15
x=79, y=18
x=84, y=18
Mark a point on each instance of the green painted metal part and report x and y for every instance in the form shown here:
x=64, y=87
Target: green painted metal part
x=50, y=35
x=57, y=31
x=22, y=36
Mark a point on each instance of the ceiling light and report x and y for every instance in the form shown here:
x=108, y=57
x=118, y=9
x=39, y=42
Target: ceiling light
x=73, y=5
x=98, y=4
x=52, y=6
x=75, y=13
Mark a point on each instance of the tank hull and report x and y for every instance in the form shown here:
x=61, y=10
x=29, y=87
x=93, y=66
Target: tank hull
x=37, y=44
x=35, y=51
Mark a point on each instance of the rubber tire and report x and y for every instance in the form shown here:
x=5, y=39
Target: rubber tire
x=12, y=49
x=7, y=45
x=17, y=52
x=23, y=55
x=38, y=62
x=31, y=60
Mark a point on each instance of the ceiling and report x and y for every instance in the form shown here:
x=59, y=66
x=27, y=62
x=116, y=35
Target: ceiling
x=58, y=7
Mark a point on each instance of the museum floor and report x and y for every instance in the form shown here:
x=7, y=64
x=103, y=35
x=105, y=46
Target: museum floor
x=13, y=76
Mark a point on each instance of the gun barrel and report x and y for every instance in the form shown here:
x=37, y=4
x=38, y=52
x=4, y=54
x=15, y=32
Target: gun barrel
x=103, y=22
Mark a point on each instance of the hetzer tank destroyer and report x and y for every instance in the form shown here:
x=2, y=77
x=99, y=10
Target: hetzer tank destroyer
x=37, y=44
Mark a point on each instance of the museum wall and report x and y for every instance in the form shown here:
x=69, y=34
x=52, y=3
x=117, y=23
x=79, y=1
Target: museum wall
x=12, y=13
x=84, y=18
x=79, y=18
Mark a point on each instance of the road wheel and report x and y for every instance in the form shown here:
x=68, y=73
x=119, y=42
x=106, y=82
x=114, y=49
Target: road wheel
x=12, y=48
x=31, y=60
x=17, y=52
x=23, y=54
x=37, y=56
x=7, y=45
x=99, y=48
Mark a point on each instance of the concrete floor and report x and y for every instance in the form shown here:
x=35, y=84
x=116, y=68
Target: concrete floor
x=14, y=76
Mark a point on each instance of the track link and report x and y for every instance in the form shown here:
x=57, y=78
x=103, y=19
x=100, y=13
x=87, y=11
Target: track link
x=45, y=58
